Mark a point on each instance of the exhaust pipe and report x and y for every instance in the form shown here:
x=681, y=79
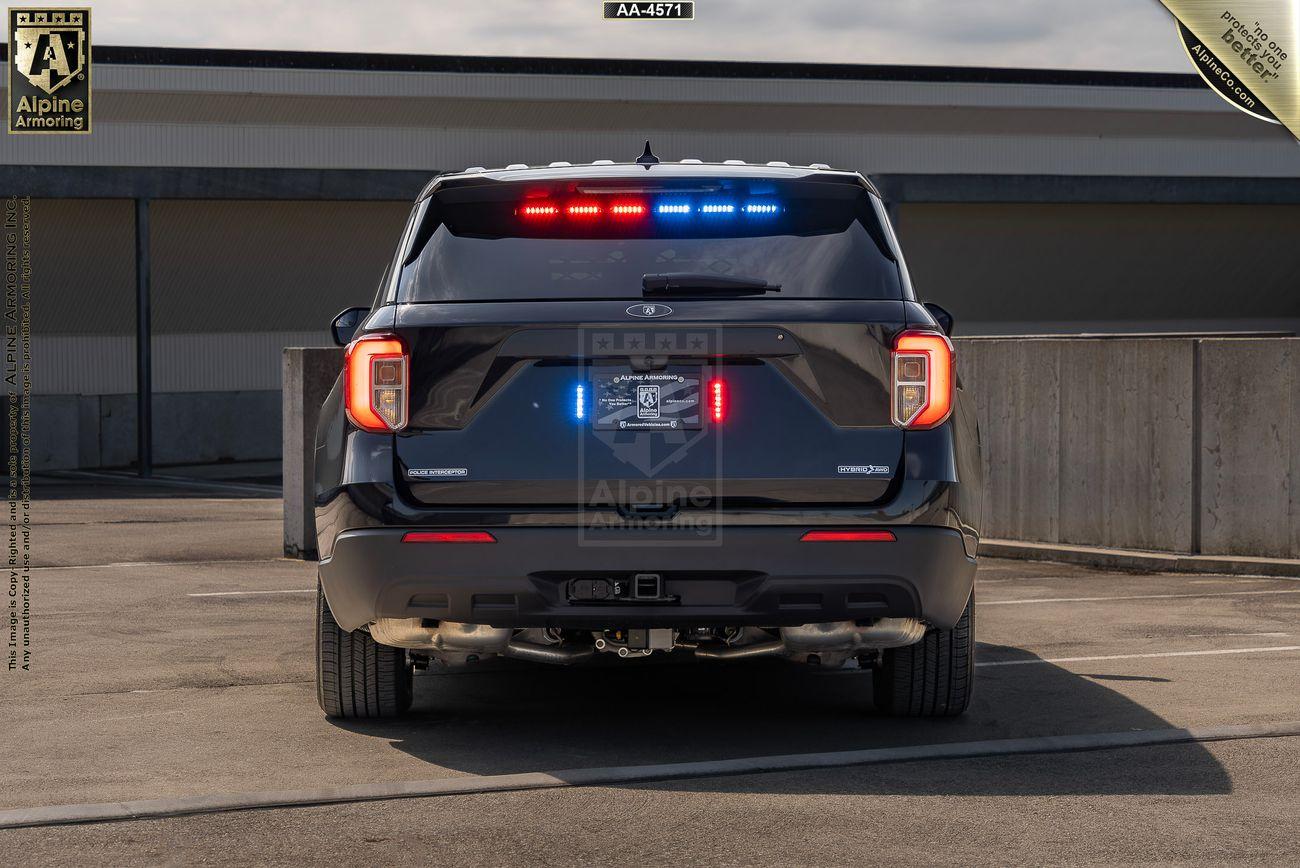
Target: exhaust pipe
x=830, y=643
x=538, y=653
x=741, y=652
x=453, y=642
x=449, y=641
x=848, y=636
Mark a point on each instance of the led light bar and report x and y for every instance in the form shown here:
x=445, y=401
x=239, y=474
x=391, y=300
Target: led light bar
x=624, y=210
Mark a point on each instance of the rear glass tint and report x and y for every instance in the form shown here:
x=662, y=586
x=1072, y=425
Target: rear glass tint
x=598, y=239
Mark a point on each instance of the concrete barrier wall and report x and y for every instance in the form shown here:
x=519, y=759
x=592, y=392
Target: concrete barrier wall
x=1249, y=447
x=96, y=431
x=1170, y=444
x=1187, y=445
x=308, y=375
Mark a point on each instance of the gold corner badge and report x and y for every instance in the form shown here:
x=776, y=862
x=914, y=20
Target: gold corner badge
x=1245, y=50
x=49, y=70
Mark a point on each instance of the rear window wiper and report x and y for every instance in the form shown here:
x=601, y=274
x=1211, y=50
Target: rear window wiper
x=686, y=283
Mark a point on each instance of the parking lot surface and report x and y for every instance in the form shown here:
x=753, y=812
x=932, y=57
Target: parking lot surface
x=173, y=659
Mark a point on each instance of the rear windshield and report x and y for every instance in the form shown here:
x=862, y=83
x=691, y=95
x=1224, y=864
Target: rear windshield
x=606, y=239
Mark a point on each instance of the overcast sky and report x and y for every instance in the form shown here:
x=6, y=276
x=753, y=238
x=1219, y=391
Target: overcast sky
x=1076, y=34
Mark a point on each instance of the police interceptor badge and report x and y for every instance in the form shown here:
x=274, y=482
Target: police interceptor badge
x=438, y=473
x=49, y=70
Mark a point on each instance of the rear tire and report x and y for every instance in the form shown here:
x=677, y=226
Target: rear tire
x=356, y=677
x=934, y=677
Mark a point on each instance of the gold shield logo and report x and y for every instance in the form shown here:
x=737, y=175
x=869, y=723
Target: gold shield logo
x=50, y=47
x=49, y=71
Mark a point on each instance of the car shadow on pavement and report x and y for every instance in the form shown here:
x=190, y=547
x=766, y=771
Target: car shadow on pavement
x=509, y=717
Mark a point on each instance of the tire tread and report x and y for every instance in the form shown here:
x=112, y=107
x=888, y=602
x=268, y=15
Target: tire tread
x=356, y=677
x=932, y=678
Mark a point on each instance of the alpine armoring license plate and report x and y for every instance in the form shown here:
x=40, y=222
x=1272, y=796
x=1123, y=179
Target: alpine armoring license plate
x=649, y=401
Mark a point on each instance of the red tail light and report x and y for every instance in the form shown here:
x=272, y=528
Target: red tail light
x=848, y=536
x=717, y=400
x=448, y=536
x=922, y=379
x=376, y=373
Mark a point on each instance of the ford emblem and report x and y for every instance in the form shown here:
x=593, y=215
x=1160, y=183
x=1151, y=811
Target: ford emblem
x=649, y=311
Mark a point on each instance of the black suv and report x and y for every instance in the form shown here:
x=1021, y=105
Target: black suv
x=647, y=407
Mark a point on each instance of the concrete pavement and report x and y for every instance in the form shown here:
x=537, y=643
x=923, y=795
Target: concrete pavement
x=143, y=689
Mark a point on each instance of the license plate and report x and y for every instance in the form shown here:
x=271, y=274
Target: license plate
x=649, y=401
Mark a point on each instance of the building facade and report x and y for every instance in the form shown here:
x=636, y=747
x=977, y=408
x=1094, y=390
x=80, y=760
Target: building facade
x=270, y=187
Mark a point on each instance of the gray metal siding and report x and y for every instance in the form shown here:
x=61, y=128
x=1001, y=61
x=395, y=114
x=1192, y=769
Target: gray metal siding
x=1017, y=267
x=83, y=266
x=244, y=117
x=234, y=266
x=215, y=362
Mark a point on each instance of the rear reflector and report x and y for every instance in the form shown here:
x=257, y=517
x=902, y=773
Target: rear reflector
x=848, y=536
x=448, y=536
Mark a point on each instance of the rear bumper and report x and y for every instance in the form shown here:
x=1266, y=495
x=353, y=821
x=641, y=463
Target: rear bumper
x=750, y=576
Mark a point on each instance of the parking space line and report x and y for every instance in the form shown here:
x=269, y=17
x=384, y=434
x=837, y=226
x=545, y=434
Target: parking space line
x=1134, y=597
x=58, y=815
x=253, y=593
x=1209, y=653
x=116, y=564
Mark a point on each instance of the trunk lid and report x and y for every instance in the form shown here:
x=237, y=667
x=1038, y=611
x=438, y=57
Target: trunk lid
x=503, y=396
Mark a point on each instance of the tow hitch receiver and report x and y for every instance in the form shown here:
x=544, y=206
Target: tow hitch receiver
x=640, y=588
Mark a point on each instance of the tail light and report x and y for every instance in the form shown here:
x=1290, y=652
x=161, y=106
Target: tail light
x=376, y=371
x=922, y=379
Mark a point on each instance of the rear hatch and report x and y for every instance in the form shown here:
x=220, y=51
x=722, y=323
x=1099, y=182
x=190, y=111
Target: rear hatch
x=650, y=345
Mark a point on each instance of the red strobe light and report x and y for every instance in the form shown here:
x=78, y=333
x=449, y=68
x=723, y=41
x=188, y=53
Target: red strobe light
x=583, y=209
x=628, y=210
x=717, y=400
x=538, y=211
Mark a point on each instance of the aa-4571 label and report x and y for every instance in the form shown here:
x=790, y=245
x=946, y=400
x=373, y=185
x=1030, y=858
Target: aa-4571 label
x=650, y=11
